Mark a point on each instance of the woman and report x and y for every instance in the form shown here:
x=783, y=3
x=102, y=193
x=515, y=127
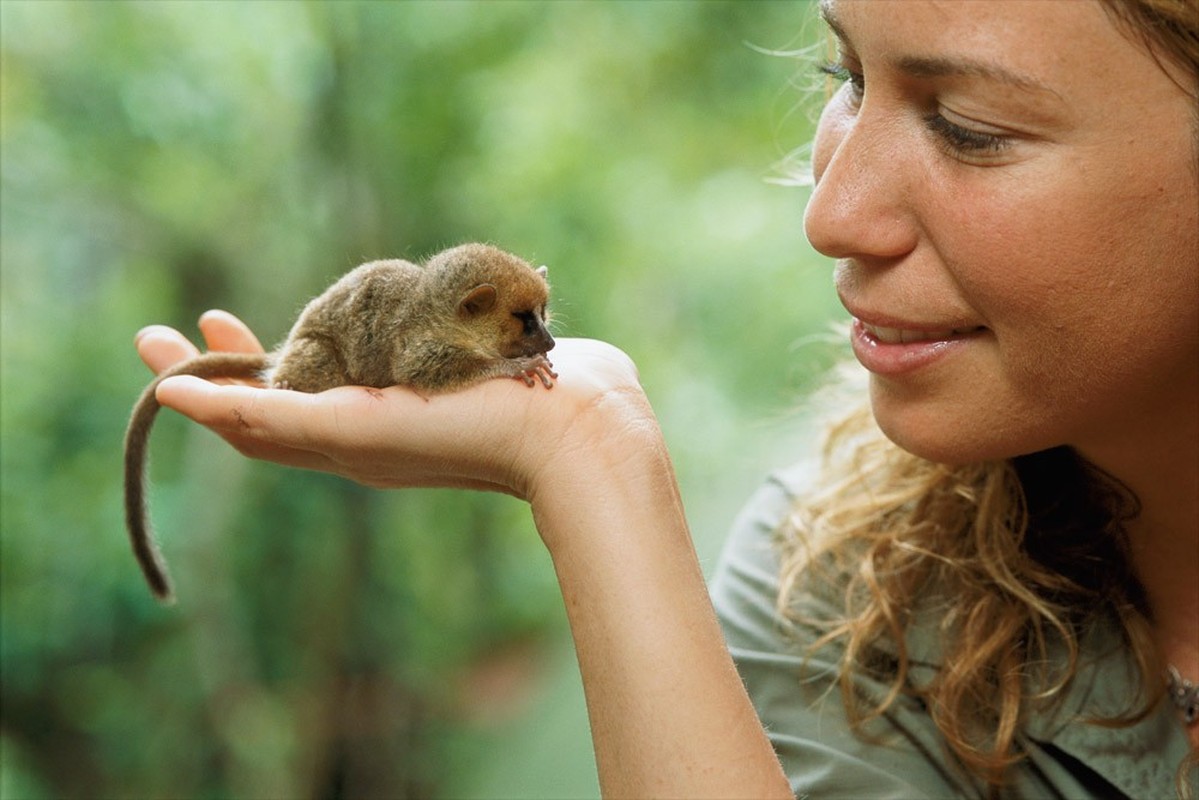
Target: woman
x=1011, y=191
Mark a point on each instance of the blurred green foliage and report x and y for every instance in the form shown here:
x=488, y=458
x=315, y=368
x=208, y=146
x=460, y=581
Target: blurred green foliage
x=159, y=159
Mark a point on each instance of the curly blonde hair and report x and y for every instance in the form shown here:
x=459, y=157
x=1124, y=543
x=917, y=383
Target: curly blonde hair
x=1021, y=557
x=1024, y=553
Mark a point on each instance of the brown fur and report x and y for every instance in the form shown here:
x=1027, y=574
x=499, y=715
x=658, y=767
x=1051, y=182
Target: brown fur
x=473, y=312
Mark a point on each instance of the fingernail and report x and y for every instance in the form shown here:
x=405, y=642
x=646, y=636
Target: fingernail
x=137, y=337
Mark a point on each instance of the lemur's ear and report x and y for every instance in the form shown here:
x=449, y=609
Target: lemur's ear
x=478, y=300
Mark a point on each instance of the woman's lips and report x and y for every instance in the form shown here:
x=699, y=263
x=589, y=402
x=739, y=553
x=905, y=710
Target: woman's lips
x=893, y=351
x=886, y=335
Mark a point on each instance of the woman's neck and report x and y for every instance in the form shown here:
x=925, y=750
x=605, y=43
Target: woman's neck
x=1163, y=471
x=1164, y=544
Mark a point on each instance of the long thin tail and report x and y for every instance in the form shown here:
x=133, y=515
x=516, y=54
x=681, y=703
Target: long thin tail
x=137, y=438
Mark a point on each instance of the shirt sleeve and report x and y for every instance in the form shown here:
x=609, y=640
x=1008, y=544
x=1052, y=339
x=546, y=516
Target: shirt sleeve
x=796, y=692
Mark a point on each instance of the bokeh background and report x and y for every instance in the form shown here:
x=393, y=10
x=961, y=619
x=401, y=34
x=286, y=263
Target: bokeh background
x=333, y=641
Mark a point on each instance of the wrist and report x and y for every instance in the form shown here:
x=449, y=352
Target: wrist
x=611, y=476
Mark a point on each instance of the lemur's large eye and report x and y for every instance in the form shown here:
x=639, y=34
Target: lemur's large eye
x=528, y=320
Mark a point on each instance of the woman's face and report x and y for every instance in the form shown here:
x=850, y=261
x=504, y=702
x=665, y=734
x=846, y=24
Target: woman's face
x=1010, y=190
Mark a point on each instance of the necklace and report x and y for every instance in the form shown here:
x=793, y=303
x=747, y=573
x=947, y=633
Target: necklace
x=1184, y=694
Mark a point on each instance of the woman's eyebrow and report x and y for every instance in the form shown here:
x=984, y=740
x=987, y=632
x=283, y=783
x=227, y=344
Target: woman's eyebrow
x=949, y=67
x=944, y=67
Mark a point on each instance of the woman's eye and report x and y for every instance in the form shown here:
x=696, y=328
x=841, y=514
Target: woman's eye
x=956, y=139
x=965, y=140
x=843, y=74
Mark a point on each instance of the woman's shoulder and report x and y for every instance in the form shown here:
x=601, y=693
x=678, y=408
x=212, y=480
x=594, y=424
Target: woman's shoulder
x=797, y=691
x=745, y=584
x=795, y=688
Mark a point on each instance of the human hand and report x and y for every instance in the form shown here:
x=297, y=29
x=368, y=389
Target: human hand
x=498, y=435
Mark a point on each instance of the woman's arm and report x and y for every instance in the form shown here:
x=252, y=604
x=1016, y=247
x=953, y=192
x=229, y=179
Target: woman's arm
x=669, y=715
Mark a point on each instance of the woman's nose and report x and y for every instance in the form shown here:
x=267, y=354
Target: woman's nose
x=862, y=205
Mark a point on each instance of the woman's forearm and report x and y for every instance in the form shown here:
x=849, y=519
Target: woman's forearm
x=669, y=715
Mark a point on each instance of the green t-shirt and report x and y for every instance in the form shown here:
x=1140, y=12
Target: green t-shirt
x=800, y=704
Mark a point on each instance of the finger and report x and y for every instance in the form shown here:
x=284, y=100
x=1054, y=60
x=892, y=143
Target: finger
x=161, y=347
x=287, y=456
x=225, y=332
x=281, y=418
x=333, y=432
x=234, y=412
x=343, y=424
x=343, y=419
x=226, y=409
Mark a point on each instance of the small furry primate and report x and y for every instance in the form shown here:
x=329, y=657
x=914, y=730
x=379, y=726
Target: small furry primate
x=472, y=312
